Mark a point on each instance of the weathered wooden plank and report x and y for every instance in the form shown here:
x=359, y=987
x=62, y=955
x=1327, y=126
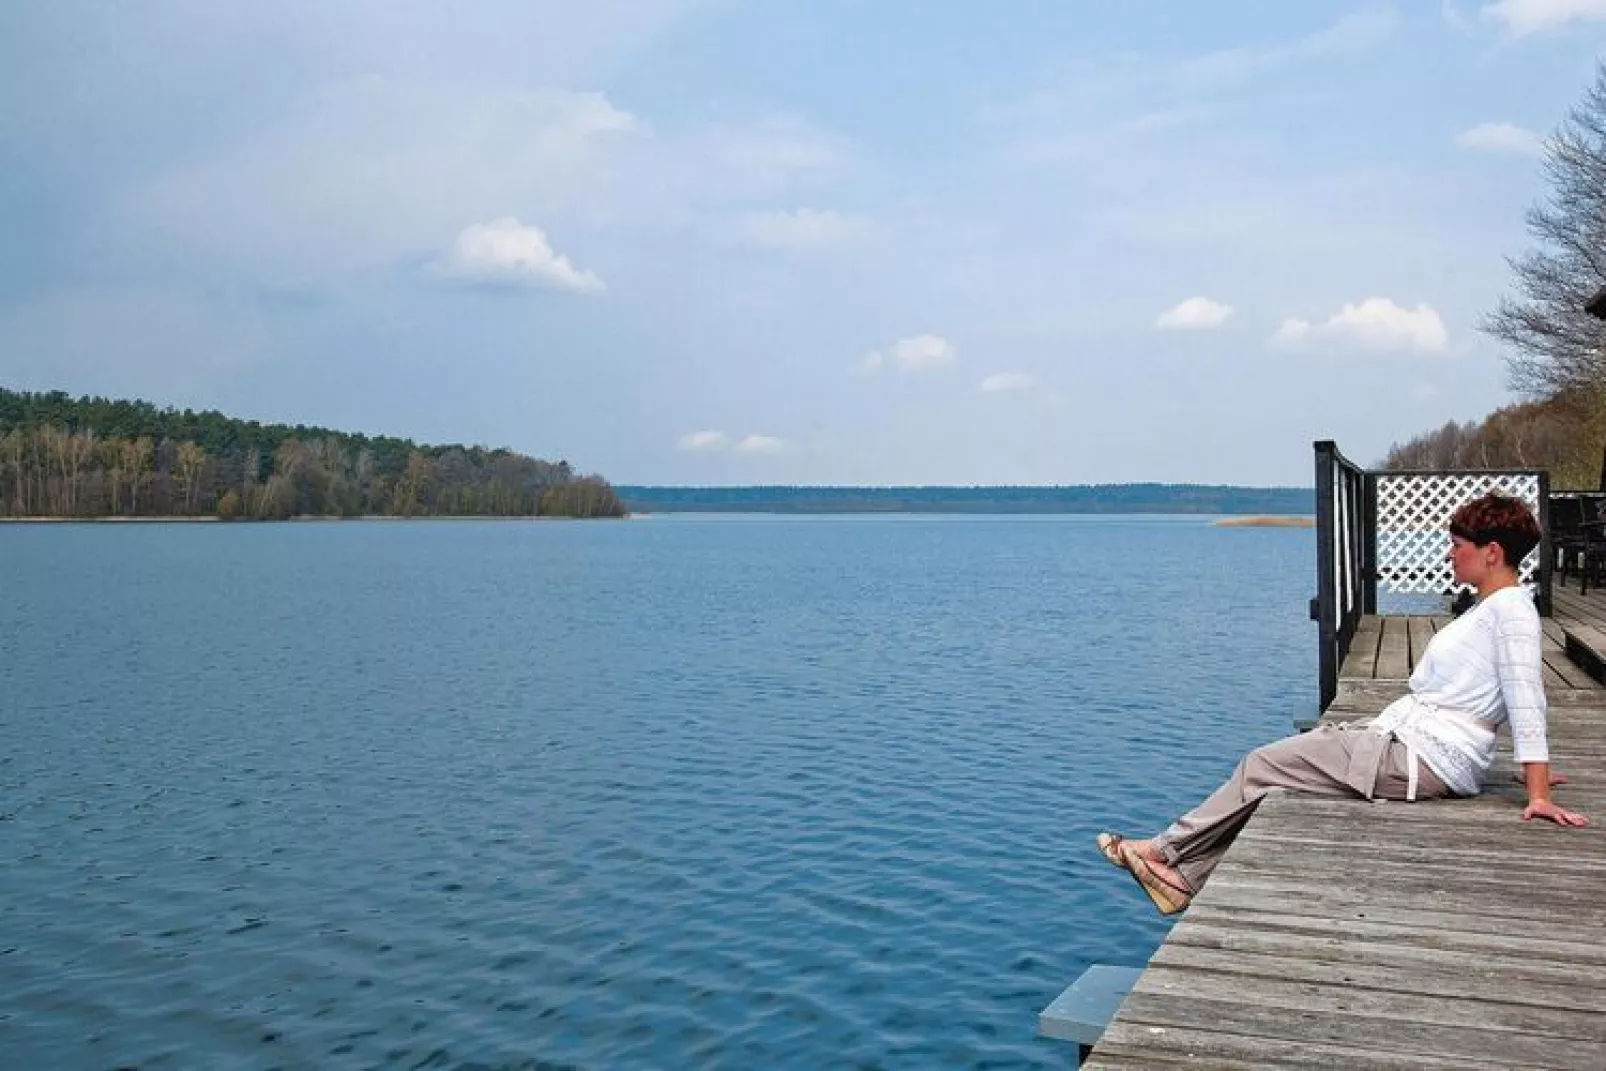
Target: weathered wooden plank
x=1451, y=849
x=1484, y=823
x=1400, y=819
x=1150, y=1056
x=1593, y=635
x=1231, y=890
x=1146, y=1046
x=1586, y=646
x=1372, y=699
x=1395, y=967
x=1359, y=942
x=1361, y=662
x=1271, y=994
x=1568, y=605
x=1381, y=693
x=1470, y=895
x=1419, y=630
x=1393, y=650
x=1573, y=675
x=1497, y=805
x=1554, y=934
x=1294, y=1013
x=1428, y=850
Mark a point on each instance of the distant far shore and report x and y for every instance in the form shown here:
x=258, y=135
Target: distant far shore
x=1261, y=521
x=1266, y=522
x=1152, y=498
x=254, y=520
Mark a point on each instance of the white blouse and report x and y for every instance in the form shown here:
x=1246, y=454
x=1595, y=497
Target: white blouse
x=1481, y=669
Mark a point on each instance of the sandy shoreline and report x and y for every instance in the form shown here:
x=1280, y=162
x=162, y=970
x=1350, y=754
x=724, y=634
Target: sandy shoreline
x=1275, y=521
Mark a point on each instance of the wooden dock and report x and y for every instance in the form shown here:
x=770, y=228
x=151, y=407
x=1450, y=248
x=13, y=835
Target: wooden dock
x=1445, y=934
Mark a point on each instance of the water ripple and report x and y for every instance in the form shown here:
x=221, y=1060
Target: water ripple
x=692, y=792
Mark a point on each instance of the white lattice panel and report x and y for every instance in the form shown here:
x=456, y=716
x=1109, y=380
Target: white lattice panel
x=1413, y=525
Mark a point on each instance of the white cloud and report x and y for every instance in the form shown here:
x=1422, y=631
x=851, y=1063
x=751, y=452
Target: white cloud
x=1197, y=313
x=1351, y=35
x=915, y=354
x=1453, y=17
x=505, y=251
x=368, y=172
x=1500, y=137
x=711, y=441
x=1523, y=17
x=756, y=159
x=703, y=440
x=1006, y=381
x=1376, y=323
x=804, y=229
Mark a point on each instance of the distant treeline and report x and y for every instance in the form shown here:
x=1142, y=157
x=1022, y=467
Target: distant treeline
x=92, y=457
x=1083, y=498
x=1563, y=434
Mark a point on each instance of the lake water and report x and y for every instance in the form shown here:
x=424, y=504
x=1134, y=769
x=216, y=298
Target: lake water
x=673, y=792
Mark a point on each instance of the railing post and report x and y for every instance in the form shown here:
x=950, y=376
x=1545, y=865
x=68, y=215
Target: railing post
x=1546, y=551
x=1369, y=547
x=1326, y=605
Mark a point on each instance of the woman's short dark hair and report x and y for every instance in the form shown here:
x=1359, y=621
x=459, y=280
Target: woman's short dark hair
x=1497, y=518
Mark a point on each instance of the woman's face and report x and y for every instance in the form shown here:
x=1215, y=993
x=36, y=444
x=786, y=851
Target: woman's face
x=1470, y=562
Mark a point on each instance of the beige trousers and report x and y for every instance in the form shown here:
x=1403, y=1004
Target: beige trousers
x=1348, y=761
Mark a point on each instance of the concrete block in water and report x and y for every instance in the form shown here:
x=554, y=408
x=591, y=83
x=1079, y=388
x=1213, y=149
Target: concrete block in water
x=1081, y=1013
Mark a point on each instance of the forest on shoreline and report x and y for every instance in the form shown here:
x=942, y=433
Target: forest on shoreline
x=90, y=458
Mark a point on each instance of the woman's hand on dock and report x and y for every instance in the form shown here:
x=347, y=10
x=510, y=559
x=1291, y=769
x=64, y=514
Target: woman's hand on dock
x=1559, y=815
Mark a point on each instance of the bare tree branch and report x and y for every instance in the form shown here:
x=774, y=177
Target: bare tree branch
x=1557, y=347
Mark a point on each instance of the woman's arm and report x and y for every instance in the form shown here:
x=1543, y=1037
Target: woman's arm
x=1518, y=662
x=1540, y=805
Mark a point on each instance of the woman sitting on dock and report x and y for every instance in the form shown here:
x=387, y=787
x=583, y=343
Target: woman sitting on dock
x=1436, y=741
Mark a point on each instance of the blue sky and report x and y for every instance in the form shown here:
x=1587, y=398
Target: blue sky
x=810, y=241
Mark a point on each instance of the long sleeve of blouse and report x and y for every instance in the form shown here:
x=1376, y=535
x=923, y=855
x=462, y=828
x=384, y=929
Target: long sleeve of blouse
x=1518, y=661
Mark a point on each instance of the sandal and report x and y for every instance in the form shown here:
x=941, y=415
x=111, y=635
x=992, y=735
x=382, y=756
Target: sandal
x=1110, y=845
x=1167, y=897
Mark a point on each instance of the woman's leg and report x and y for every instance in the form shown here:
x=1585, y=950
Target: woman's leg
x=1315, y=763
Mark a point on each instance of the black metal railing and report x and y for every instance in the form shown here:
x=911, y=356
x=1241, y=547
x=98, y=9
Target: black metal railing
x=1342, y=550
x=1348, y=564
